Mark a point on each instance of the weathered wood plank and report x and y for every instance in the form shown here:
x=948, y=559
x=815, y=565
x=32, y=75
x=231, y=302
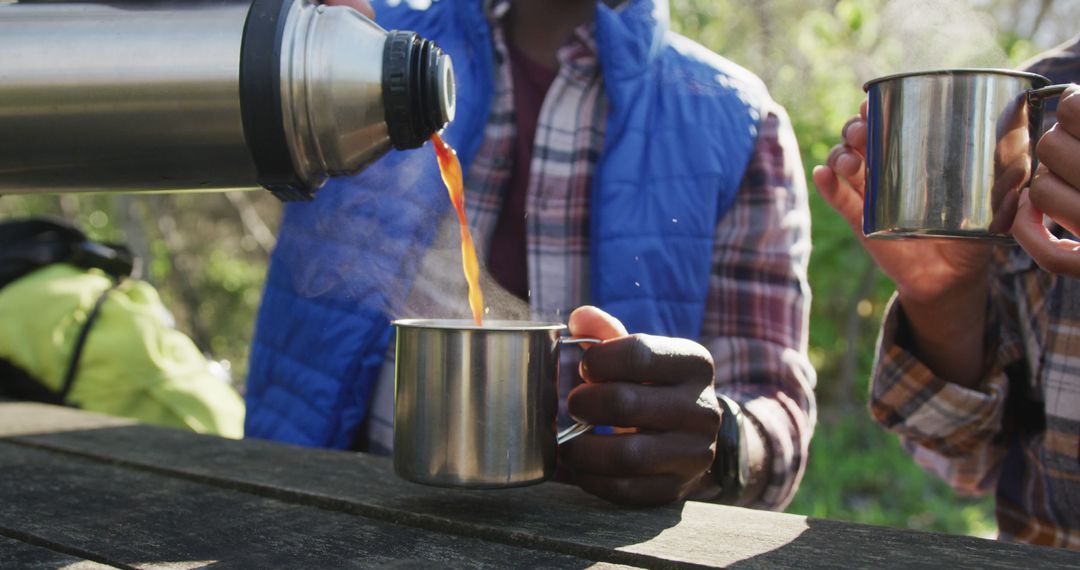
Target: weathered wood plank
x=552, y=517
x=24, y=418
x=19, y=554
x=133, y=518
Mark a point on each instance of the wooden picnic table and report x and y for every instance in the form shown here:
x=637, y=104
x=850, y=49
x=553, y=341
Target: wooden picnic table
x=81, y=490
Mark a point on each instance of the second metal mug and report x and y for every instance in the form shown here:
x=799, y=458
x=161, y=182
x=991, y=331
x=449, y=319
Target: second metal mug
x=475, y=407
x=948, y=151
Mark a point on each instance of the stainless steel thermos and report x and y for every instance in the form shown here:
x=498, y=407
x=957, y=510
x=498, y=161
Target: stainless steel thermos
x=203, y=95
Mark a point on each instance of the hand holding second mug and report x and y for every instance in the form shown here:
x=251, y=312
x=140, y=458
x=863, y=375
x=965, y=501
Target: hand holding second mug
x=923, y=270
x=942, y=285
x=1055, y=192
x=662, y=387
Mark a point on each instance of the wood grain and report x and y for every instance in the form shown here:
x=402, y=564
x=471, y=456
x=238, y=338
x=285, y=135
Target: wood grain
x=551, y=518
x=132, y=518
x=18, y=554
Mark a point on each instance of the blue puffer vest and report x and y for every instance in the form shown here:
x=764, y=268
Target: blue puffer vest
x=681, y=127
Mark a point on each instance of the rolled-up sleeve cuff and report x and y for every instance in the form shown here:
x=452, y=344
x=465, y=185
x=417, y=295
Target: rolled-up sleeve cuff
x=908, y=398
x=786, y=451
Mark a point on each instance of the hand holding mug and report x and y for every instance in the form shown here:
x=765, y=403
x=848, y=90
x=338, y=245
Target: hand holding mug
x=923, y=270
x=1055, y=192
x=660, y=387
x=942, y=284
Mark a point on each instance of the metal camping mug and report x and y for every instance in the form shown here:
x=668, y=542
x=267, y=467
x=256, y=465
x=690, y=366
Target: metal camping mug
x=949, y=150
x=475, y=407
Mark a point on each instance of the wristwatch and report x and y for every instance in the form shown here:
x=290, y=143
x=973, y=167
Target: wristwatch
x=731, y=467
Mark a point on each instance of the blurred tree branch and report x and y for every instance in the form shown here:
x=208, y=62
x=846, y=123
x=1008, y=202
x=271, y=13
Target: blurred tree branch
x=131, y=216
x=252, y=221
x=1044, y=9
x=187, y=268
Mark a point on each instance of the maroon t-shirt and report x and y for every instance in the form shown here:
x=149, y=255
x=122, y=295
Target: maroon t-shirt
x=507, y=257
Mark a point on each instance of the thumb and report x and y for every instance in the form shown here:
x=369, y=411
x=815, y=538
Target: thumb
x=362, y=6
x=840, y=196
x=1028, y=223
x=588, y=321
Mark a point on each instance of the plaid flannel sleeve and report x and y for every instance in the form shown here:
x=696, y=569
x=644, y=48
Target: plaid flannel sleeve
x=949, y=430
x=758, y=308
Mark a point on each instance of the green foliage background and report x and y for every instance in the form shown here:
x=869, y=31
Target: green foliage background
x=207, y=253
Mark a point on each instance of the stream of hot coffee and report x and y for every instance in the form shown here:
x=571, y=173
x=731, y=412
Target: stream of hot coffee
x=450, y=169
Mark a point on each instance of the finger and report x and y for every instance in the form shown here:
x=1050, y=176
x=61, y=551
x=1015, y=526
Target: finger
x=850, y=165
x=1059, y=151
x=834, y=154
x=847, y=165
x=647, y=358
x=855, y=134
x=1068, y=111
x=647, y=407
x=639, y=454
x=591, y=322
x=841, y=197
x=651, y=491
x=362, y=6
x=1054, y=255
x=1056, y=198
x=863, y=108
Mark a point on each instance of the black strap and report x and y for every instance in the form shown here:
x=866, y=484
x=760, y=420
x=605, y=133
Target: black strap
x=80, y=342
x=33, y=243
x=731, y=468
x=17, y=384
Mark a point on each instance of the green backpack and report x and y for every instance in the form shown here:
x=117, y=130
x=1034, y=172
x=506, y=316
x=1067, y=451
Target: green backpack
x=77, y=330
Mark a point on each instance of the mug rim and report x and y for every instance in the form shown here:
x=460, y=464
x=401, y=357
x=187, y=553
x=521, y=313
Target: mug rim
x=1034, y=77
x=490, y=325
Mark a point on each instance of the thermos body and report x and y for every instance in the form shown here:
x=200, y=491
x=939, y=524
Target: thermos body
x=95, y=97
x=207, y=95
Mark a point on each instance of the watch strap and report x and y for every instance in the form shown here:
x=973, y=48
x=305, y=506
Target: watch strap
x=731, y=467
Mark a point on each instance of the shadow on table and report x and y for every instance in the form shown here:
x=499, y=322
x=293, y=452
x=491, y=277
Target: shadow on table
x=551, y=517
x=836, y=544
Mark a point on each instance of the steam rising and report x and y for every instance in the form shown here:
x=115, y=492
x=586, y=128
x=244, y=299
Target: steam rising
x=440, y=290
x=937, y=34
x=361, y=243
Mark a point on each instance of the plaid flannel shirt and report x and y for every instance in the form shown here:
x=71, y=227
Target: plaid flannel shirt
x=756, y=315
x=1018, y=431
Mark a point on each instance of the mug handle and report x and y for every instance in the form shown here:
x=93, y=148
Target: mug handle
x=578, y=428
x=1036, y=97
